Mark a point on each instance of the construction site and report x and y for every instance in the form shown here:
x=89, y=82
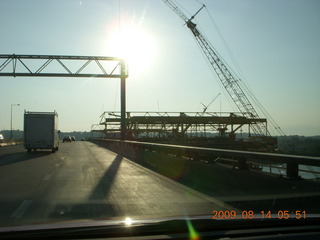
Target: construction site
x=151, y=164
x=206, y=129
x=246, y=128
x=243, y=130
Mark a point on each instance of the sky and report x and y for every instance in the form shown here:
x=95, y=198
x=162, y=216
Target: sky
x=276, y=44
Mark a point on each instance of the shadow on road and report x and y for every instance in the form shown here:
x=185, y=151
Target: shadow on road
x=95, y=207
x=103, y=187
x=16, y=157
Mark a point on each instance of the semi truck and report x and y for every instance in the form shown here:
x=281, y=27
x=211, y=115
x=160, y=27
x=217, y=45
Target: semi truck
x=41, y=131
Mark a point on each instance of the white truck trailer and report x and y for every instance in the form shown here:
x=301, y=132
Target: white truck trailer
x=41, y=131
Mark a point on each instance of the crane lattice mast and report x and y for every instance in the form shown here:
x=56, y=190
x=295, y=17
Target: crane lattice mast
x=230, y=83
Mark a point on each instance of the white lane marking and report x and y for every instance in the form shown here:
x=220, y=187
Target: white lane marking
x=18, y=213
x=47, y=177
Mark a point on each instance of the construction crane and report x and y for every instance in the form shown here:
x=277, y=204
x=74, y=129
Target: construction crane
x=205, y=107
x=228, y=80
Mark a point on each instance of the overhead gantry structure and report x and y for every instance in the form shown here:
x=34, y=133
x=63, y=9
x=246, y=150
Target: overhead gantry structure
x=68, y=66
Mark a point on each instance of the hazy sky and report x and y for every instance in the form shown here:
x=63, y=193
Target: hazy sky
x=276, y=44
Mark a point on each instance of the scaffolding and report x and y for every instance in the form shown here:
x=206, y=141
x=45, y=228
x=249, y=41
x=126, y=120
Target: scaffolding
x=193, y=128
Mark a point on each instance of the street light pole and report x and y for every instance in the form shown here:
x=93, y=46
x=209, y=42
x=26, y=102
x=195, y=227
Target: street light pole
x=11, y=118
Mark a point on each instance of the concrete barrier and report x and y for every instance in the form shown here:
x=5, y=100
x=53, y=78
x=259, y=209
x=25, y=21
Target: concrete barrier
x=241, y=188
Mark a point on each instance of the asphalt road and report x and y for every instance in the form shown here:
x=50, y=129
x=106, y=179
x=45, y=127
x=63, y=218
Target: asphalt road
x=85, y=181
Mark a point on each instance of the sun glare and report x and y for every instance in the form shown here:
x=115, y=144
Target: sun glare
x=128, y=221
x=135, y=46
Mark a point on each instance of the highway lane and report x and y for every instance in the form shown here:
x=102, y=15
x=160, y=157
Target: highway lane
x=85, y=181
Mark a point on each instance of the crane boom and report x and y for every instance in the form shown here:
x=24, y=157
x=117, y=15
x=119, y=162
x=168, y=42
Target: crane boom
x=229, y=82
x=206, y=107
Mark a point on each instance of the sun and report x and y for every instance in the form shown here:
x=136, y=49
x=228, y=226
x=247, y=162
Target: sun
x=135, y=45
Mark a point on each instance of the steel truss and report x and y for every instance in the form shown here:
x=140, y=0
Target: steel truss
x=38, y=66
x=68, y=66
x=178, y=124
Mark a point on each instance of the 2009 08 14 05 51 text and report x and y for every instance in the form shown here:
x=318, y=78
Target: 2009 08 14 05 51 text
x=281, y=214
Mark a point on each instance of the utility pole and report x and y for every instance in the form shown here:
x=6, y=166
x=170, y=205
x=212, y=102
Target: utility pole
x=11, y=119
x=123, y=100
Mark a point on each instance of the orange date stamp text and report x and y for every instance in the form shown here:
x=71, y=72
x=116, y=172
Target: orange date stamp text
x=250, y=214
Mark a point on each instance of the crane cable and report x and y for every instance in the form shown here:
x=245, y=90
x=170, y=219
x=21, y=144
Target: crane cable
x=245, y=83
x=245, y=86
x=227, y=48
x=225, y=93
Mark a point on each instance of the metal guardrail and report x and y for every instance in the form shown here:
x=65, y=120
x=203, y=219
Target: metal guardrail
x=240, y=157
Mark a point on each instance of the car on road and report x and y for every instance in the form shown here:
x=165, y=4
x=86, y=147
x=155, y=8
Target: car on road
x=1, y=140
x=67, y=139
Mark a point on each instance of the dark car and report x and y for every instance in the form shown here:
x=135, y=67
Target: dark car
x=67, y=139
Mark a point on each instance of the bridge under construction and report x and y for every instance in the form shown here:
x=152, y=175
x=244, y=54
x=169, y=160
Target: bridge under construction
x=219, y=130
x=209, y=129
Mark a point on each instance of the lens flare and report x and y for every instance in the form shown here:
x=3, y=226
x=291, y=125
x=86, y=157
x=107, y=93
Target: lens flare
x=193, y=235
x=128, y=221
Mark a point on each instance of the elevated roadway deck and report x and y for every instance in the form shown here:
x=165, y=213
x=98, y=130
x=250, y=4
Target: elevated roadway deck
x=85, y=181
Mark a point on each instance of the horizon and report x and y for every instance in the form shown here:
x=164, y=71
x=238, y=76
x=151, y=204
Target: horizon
x=211, y=133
